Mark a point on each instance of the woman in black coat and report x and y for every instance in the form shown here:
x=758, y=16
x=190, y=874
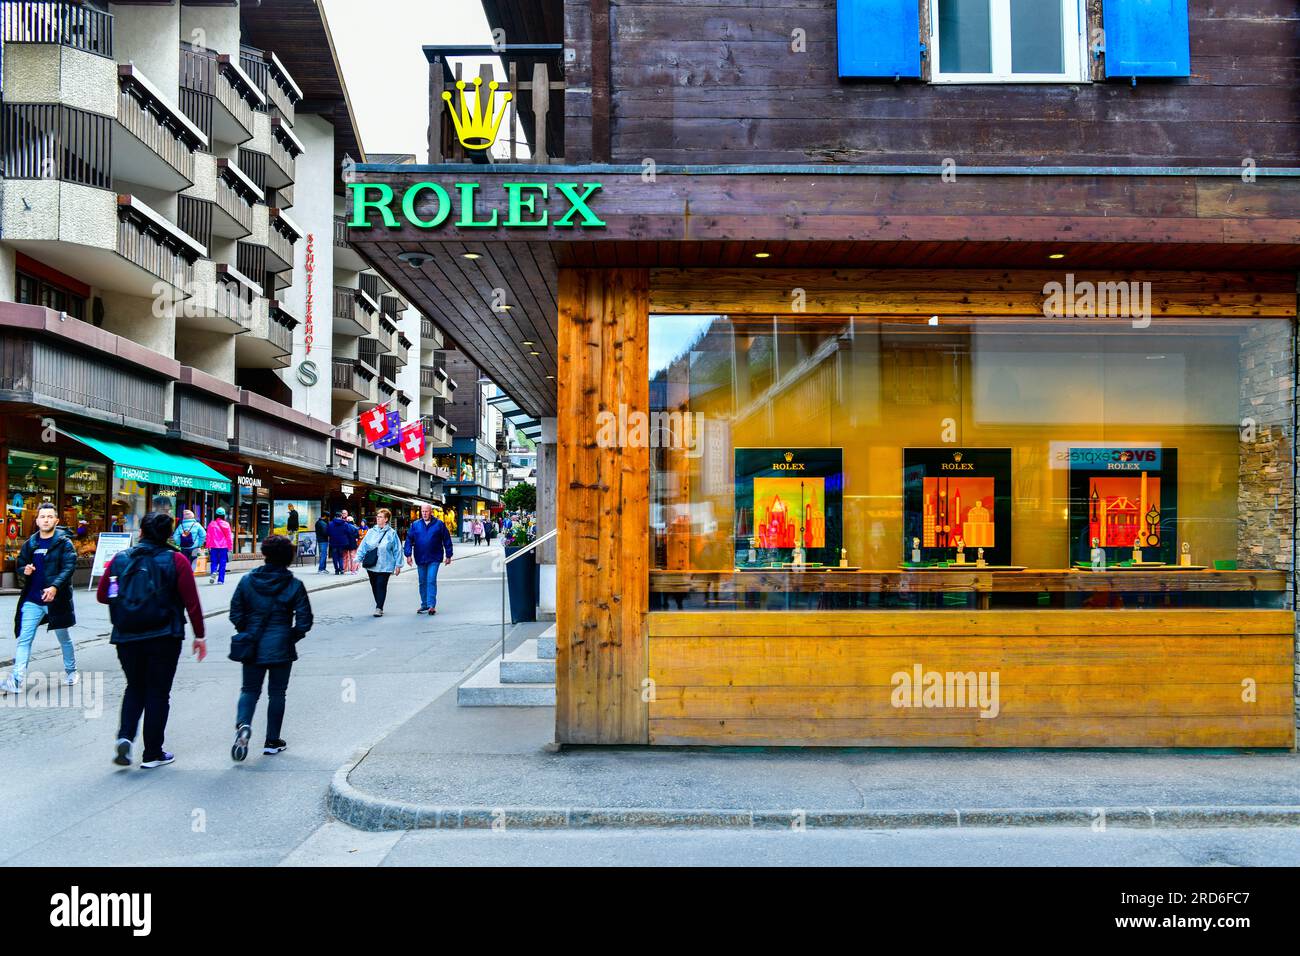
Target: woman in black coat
x=271, y=606
x=45, y=562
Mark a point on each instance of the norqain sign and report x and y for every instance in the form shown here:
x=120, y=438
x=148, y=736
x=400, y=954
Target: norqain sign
x=517, y=206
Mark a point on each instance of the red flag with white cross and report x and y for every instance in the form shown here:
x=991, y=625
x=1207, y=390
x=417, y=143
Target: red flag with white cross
x=413, y=440
x=375, y=423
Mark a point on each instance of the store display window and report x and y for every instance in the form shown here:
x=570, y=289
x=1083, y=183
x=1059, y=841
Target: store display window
x=33, y=480
x=82, y=511
x=129, y=505
x=860, y=462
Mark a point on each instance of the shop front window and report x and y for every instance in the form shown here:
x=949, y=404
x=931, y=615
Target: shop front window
x=293, y=516
x=129, y=505
x=85, y=489
x=856, y=462
x=33, y=479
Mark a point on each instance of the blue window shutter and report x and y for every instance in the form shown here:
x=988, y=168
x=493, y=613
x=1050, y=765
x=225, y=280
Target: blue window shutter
x=879, y=38
x=1146, y=37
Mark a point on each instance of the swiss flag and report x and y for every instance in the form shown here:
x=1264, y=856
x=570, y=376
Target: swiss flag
x=413, y=440
x=375, y=423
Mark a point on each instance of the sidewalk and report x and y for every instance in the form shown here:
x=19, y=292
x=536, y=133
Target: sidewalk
x=92, y=617
x=468, y=767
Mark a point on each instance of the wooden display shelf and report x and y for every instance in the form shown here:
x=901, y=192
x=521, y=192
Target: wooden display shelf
x=978, y=580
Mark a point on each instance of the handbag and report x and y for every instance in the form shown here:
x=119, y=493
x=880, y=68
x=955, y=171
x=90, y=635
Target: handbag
x=372, y=557
x=243, y=646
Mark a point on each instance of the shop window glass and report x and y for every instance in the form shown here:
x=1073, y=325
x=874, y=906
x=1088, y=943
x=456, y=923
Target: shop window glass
x=85, y=490
x=129, y=505
x=855, y=462
x=308, y=512
x=33, y=479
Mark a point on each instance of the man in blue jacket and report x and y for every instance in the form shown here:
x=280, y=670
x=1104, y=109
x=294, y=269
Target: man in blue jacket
x=342, y=538
x=428, y=545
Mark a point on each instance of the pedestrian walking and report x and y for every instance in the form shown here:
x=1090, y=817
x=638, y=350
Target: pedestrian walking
x=354, y=540
x=189, y=536
x=270, y=606
x=322, y=543
x=220, y=539
x=466, y=527
x=428, y=547
x=340, y=540
x=46, y=560
x=149, y=589
x=381, y=556
x=476, y=529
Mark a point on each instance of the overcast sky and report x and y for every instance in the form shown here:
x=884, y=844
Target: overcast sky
x=386, y=73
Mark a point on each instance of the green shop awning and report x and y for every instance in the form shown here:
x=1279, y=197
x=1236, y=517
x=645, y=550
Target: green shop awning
x=148, y=465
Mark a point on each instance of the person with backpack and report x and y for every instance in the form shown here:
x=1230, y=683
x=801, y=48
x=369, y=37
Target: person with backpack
x=189, y=536
x=340, y=539
x=271, y=612
x=220, y=541
x=149, y=589
x=322, y=543
x=46, y=561
x=381, y=555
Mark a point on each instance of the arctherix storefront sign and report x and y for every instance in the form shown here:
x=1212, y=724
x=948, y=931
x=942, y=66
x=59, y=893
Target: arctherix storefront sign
x=428, y=205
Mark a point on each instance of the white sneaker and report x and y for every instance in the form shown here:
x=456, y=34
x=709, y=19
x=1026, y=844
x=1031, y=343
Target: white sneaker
x=122, y=752
x=71, y=679
x=7, y=686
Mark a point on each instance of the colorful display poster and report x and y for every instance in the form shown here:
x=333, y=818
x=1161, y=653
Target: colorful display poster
x=957, y=497
x=1121, y=496
x=787, y=497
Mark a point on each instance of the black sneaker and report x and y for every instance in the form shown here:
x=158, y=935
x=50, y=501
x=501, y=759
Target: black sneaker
x=433, y=611
x=240, y=748
x=122, y=752
x=165, y=759
x=274, y=746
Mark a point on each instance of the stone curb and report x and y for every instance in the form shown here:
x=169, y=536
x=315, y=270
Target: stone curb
x=366, y=812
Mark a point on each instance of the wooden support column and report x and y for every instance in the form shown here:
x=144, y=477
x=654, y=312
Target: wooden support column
x=602, y=587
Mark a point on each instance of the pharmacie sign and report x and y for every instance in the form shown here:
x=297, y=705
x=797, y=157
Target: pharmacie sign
x=470, y=205
x=148, y=476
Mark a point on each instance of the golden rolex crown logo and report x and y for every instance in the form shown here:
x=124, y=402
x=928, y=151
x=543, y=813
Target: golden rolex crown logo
x=956, y=456
x=789, y=456
x=477, y=124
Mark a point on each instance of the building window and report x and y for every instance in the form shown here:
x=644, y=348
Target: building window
x=1007, y=41
x=85, y=487
x=33, y=480
x=34, y=291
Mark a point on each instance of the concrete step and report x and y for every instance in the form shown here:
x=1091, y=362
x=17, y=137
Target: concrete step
x=546, y=644
x=486, y=689
x=522, y=666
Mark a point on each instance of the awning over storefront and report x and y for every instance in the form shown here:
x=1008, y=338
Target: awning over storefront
x=146, y=464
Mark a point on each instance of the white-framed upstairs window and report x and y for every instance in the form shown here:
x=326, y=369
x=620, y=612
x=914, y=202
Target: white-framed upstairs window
x=1007, y=41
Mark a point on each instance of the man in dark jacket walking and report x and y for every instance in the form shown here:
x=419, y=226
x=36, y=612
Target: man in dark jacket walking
x=46, y=561
x=342, y=538
x=271, y=605
x=428, y=546
x=149, y=589
x=322, y=543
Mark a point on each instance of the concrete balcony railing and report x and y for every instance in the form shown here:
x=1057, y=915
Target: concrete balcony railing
x=345, y=254
x=430, y=336
x=281, y=236
x=236, y=197
x=216, y=303
x=354, y=312
x=147, y=239
x=284, y=150
x=402, y=352
x=350, y=380
x=161, y=141
x=269, y=75
x=386, y=335
x=244, y=295
x=216, y=95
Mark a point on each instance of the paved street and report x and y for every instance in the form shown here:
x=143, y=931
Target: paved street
x=357, y=678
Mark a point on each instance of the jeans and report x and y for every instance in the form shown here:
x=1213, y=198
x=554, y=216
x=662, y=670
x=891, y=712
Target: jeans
x=275, y=690
x=149, y=666
x=323, y=553
x=427, y=575
x=336, y=555
x=33, y=614
x=219, y=557
x=379, y=586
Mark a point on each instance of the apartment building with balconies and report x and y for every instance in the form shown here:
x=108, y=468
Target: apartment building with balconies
x=167, y=217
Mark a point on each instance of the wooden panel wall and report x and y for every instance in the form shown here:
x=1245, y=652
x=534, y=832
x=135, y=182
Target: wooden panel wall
x=602, y=587
x=712, y=81
x=1066, y=678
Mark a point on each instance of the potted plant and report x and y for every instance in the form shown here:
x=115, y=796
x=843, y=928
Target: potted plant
x=521, y=577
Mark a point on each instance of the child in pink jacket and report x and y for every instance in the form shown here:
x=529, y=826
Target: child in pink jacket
x=220, y=539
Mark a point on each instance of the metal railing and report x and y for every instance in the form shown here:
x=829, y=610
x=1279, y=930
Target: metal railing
x=145, y=238
x=53, y=141
x=504, y=564
x=66, y=24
